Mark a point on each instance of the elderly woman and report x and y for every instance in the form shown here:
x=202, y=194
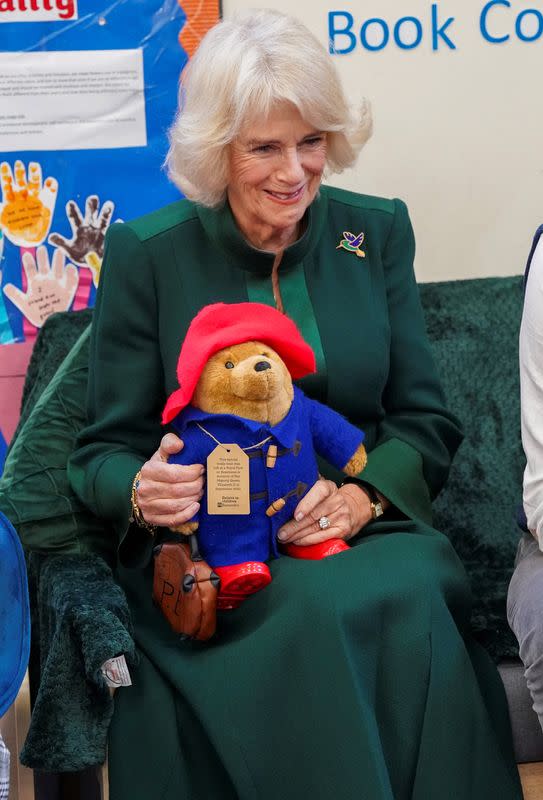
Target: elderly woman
x=350, y=677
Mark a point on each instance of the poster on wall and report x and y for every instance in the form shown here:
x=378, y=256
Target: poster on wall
x=88, y=90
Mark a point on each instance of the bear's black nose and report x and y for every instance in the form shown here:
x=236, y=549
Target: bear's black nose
x=262, y=365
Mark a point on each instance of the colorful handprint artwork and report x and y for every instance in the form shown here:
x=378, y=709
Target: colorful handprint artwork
x=28, y=204
x=32, y=203
x=86, y=245
x=49, y=288
x=88, y=230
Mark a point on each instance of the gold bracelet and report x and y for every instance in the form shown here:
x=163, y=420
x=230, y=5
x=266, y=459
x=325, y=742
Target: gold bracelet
x=137, y=515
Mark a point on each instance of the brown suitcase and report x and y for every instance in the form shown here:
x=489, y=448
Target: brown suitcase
x=185, y=588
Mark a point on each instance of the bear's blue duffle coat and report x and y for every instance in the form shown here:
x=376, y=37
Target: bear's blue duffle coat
x=309, y=426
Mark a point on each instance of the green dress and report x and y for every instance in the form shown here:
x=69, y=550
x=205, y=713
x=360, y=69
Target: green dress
x=352, y=677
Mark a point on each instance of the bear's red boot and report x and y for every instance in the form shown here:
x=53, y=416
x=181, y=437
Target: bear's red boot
x=238, y=581
x=315, y=552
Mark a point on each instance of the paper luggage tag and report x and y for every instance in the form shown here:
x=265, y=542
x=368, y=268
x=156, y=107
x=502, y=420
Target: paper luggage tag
x=228, y=480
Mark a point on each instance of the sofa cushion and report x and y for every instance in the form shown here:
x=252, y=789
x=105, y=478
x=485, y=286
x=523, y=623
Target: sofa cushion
x=527, y=734
x=35, y=493
x=473, y=326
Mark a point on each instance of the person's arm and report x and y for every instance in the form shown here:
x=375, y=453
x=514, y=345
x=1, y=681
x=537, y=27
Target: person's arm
x=125, y=381
x=125, y=400
x=417, y=436
x=531, y=393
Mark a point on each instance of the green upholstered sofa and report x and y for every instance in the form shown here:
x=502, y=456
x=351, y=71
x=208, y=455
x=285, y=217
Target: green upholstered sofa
x=80, y=615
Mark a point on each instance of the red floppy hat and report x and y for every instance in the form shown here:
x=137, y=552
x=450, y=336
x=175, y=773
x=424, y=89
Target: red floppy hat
x=223, y=324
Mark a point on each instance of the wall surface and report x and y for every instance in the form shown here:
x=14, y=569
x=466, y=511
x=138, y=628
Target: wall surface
x=458, y=119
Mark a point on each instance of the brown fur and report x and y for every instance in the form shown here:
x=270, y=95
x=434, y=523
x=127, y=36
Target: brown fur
x=263, y=396
x=357, y=462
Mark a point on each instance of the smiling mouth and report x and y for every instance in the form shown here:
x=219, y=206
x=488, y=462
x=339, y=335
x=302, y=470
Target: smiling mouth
x=286, y=197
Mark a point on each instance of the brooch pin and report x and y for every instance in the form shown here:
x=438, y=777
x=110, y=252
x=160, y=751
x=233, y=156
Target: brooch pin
x=352, y=243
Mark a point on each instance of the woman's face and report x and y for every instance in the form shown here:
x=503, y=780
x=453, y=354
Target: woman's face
x=275, y=169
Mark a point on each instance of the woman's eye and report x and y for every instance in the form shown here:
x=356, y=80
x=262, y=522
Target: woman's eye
x=313, y=141
x=229, y=365
x=262, y=148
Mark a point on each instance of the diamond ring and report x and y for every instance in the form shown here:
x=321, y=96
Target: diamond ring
x=324, y=523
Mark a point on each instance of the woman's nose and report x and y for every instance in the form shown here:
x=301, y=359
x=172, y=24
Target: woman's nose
x=291, y=166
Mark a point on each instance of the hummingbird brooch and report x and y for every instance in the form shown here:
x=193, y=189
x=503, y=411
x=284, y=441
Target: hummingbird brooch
x=352, y=243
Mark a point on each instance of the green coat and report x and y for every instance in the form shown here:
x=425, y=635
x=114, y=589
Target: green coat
x=353, y=677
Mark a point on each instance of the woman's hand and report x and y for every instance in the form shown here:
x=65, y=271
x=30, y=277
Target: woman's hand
x=348, y=509
x=169, y=494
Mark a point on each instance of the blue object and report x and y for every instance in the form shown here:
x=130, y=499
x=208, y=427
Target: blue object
x=308, y=427
x=3, y=451
x=14, y=615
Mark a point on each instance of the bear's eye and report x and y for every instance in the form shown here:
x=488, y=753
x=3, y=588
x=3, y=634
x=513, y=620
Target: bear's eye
x=229, y=365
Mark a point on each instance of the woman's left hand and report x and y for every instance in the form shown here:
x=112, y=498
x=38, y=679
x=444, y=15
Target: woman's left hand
x=348, y=509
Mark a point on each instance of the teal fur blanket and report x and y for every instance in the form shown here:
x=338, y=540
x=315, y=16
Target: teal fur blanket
x=80, y=620
x=473, y=326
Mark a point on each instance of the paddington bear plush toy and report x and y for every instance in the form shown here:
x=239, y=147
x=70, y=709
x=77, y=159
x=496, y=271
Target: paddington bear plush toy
x=237, y=407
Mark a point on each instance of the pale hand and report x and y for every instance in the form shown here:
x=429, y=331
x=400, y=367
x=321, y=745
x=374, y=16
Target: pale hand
x=49, y=289
x=27, y=206
x=347, y=508
x=169, y=494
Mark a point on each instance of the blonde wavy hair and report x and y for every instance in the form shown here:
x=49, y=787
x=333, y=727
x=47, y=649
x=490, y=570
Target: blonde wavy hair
x=243, y=67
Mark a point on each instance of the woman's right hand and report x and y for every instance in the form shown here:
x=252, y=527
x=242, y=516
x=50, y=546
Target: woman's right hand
x=169, y=494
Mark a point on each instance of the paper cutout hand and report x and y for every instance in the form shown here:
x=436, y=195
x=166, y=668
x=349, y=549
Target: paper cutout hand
x=27, y=206
x=94, y=263
x=88, y=231
x=49, y=289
